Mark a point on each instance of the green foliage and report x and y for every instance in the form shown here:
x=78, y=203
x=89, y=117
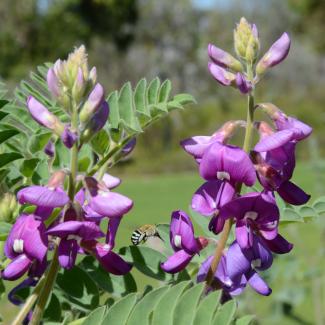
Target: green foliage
x=183, y=303
x=304, y=213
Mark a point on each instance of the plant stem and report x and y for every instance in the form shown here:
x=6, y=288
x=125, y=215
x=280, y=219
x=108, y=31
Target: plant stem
x=29, y=303
x=229, y=222
x=54, y=267
x=46, y=290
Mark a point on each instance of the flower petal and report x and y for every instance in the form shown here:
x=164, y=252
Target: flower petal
x=112, y=262
x=68, y=250
x=111, y=204
x=16, y=268
x=279, y=245
x=111, y=181
x=227, y=160
x=274, y=141
x=196, y=146
x=177, y=262
x=223, y=76
x=293, y=194
x=43, y=196
x=258, y=284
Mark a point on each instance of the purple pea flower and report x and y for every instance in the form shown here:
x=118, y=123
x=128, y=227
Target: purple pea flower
x=106, y=203
x=53, y=83
x=128, y=148
x=274, y=158
x=197, y=145
x=275, y=55
x=223, y=58
x=211, y=196
x=221, y=278
x=254, y=213
x=42, y=116
x=68, y=137
x=244, y=85
x=246, y=262
x=224, y=77
x=49, y=149
x=183, y=243
x=71, y=233
x=26, y=244
x=227, y=162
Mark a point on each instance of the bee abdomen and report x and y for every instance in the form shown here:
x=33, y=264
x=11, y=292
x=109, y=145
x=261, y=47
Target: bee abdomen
x=137, y=237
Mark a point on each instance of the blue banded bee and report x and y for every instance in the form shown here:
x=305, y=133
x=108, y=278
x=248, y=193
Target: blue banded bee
x=141, y=234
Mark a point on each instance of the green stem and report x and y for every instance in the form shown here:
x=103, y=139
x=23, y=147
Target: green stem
x=228, y=224
x=46, y=290
x=29, y=303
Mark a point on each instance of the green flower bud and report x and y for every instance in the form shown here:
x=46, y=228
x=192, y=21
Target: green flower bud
x=246, y=40
x=8, y=207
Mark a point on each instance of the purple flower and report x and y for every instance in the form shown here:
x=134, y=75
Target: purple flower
x=223, y=58
x=53, y=83
x=183, y=242
x=93, y=103
x=196, y=146
x=106, y=203
x=227, y=162
x=221, y=278
x=128, y=148
x=68, y=137
x=27, y=243
x=224, y=77
x=274, y=157
x=111, y=181
x=276, y=54
x=243, y=84
x=49, y=149
x=211, y=196
x=42, y=116
x=255, y=213
x=98, y=120
x=71, y=233
x=43, y=196
x=246, y=262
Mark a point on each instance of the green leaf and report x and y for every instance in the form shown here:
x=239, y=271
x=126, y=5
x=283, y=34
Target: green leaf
x=120, y=311
x=100, y=142
x=96, y=317
x=225, y=314
x=80, y=289
x=184, y=99
x=319, y=205
x=114, y=284
x=53, y=309
x=153, y=91
x=114, y=115
x=28, y=167
x=140, y=98
x=164, y=91
x=3, y=102
x=142, y=310
x=290, y=215
x=245, y=320
x=147, y=261
x=38, y=141
x=6, y=158
x=207, y=308
x=164, y=311
x=4, y=230
x=184, y=313
x=126, y=110
x=7, y=134
x=307, y=212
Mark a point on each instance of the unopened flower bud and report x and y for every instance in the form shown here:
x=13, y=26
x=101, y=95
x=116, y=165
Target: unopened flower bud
x=223, y=76
x=246, y=40
x=226, y=132
x=49, y=149
x=42, y=116
x=96, y=123
x=243, y=84
x=68, y=137
x=276, y=54
x=93, y=75
x=57, y=179
x=8, y=207
x=53, y=83
x=128, y=148
x=223, y=58
x=79, y=86
x=93, y=103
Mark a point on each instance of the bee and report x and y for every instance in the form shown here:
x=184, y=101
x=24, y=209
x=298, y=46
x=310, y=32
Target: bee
x=142, y=233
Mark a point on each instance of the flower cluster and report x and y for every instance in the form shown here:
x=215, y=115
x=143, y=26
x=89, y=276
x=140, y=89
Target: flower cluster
x=226, y=168
x=68, y=222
